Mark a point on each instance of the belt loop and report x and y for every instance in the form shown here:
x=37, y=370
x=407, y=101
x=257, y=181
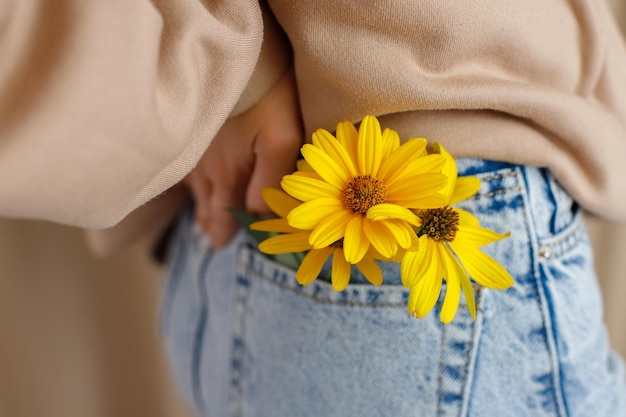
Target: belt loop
x=565, y=205
x=542, y=205
x=551, y=207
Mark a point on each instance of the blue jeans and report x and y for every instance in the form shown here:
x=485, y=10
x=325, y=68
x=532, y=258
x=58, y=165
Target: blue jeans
x=246, y=340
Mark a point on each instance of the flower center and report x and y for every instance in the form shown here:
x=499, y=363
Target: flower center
x=440, y=224
x=364, y=192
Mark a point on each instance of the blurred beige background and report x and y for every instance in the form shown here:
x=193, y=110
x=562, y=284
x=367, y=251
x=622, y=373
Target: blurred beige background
x=79, y=335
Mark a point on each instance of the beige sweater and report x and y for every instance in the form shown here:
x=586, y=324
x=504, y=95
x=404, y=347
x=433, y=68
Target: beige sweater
x=106, y=105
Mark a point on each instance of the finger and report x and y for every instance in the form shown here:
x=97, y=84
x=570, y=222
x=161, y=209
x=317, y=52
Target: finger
x=276, y=156
x=218, y=179
x=222, y=225
x=201, y=191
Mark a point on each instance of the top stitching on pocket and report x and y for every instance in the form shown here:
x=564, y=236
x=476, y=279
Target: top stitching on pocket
x=316, y=288
x=564, y=242
x=321, y=292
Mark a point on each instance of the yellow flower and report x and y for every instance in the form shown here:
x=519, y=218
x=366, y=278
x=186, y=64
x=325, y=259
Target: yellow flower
x=361, y=189
x=361, y=196
x=295, y=240
x=449, y=247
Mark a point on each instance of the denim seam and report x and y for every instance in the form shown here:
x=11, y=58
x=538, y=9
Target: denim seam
x=440, y=374
x=472, y=353
x=198, y=342
x=498, y=176
x=490, y=177
x=241, y=295
x=469, y=356
x=248, y=267
x=469, y=349
x=557, y=389
x=501, y=191
x=260, y=274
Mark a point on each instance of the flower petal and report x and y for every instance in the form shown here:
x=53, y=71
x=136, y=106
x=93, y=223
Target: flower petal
x=287, y=243
x=415, y=263
x=325, y=166
x=468, y=291
x=465, y=188
x=433, y=267
x=380, y=237
x=386, y=211
x=330, y=229
x=449, y=169
x=466, y=218
x=477, y=236
x=414, y=242
x=391, y=142
x=431, y=202
x=370, y=269
x=355, y=243
x=402, y=232
x=334, y=149
x=306, y=188
x=303, y=166
x=308, y=215
x=349, y=138
x=370, y=146
x=273, y=225
x=400, y=158
x=425, y=293
x=452, y=272
x=415, y=187
x=279, y=201
x=485, y=270
x=429, y=164
x=312, y=265
x=340, y=275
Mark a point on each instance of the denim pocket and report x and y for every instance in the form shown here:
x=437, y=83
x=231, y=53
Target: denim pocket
x=590, y=375
x=311, y=351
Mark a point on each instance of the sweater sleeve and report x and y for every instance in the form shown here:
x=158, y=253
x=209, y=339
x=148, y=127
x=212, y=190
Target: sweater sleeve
x=144, y=226
x=105, y=105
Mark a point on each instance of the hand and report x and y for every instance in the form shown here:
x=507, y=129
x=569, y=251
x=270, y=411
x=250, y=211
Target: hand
x=250, y=152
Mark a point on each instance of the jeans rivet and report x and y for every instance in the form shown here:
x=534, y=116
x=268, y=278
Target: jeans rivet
x=544, y=252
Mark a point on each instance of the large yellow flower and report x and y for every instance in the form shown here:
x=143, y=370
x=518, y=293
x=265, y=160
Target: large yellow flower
x=449, y=247
x=295, y=240
x=361, y=189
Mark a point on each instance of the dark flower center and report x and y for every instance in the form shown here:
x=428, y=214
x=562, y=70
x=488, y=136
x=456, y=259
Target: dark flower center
x=364, y=192
x=440, y=224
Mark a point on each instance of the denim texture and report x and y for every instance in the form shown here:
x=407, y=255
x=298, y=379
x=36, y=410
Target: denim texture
x=245, y=340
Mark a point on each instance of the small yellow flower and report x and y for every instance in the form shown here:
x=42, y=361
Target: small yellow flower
x=361, y=189
x=295, y=240
x=449, y=247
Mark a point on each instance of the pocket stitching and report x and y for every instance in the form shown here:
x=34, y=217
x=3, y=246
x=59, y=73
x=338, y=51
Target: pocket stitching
x=246, y=267
x=299, y=290
x=561, y=244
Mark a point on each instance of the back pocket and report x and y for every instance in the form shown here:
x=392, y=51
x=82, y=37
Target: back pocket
x=311, y=351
